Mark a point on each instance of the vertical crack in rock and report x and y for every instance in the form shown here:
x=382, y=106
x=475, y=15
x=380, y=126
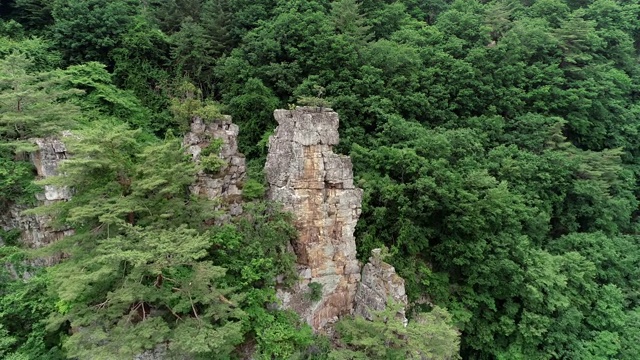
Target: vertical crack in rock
x=226, y=184
x=317, y=186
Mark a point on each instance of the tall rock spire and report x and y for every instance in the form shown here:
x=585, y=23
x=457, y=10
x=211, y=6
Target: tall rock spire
x=317, y=186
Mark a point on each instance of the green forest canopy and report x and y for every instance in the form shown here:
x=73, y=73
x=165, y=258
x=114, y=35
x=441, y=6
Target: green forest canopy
x=497, y=143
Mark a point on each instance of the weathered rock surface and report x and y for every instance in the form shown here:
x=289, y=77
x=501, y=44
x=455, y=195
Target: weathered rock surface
x=36, y=229
x=227, y=183
x=317, y=186
x=379, y=283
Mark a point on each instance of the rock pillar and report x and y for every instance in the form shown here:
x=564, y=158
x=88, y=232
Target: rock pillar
x=226, y=184
x=316, y=185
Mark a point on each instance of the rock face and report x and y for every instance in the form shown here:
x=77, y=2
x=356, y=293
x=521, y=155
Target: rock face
x=379, y=283
x=36, y=229
x=227, y=183
x=317, y=186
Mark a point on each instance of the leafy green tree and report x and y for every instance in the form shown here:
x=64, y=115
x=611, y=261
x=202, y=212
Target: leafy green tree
x=427, y=10
x=87, y=30
x=280, y=51
x=101, y=98
x=169, y=14
x=24, y=308
x=15, y=180
x=41, y=53
x=188, y=101
x=199, y=33
x=464, y=19
x=194, y=52
x=31, y=103
x=628, y=341
x=141, y=65
x=451, y=185
x=216, y=19
x=33, y=14
x=497, y=17
x=247, y=15
x=553, y=11
x=253, y=112
x=252, y=269
x=388, y=18
x=348, y=20
x=6, y=341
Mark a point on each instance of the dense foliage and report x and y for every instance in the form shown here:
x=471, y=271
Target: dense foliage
x=496, y=142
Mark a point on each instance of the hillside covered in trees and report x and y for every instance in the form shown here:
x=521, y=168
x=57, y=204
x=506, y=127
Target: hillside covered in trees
x=497, y=143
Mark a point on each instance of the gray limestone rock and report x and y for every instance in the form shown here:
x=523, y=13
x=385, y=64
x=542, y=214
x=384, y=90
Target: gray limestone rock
x=379, y=283
x=226, y=185
x=36, y=230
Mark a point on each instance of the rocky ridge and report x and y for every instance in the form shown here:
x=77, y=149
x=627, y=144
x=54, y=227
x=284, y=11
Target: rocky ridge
x=379, y=284
x=304, y=174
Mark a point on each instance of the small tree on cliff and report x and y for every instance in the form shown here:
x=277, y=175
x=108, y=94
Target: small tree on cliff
x=317, y=99
x=187, y=102
x=428, y=335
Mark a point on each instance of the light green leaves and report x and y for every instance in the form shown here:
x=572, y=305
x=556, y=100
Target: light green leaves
x=32, y=104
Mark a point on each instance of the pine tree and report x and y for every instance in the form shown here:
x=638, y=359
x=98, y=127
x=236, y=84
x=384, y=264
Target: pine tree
x=137, y=273
x=32, y=104
x=347, y=19
x=144, y=287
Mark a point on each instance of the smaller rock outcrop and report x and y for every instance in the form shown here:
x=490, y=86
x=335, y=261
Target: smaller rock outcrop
x=225, y=184
x=46, y=159
x=36, y=230
x=379, y=283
